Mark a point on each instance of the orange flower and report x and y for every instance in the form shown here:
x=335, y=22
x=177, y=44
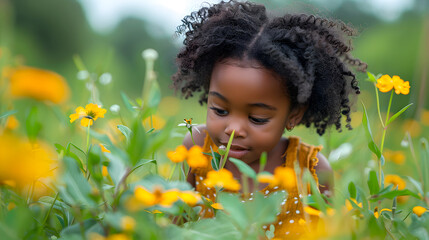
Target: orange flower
x=217, y=206
x=222, y=178
x=190, y=197
x=419, y=210
x=194, y=157
x=38, y=84
x=395, y=180
x=386, y=83
x=89, y=114
x=157, y=197
x=283, y=176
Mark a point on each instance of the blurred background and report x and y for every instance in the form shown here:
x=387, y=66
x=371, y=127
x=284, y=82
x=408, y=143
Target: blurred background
x=108, y=36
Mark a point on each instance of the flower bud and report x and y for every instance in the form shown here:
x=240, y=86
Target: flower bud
x=222, y=150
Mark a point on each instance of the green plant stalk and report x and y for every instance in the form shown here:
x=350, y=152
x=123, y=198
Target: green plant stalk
x=87, y=138
x=384, y=135
x=225, y=157
x=378, y=105
x=192, y=137
x=172, y=171
x=50, y=209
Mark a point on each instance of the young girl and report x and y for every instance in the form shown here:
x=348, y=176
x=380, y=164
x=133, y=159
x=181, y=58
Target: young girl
x=260, y=76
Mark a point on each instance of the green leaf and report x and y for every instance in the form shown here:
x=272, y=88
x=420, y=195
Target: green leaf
x=215, y=159
x=126, y=131
x=417, y=184
x=262, y=161
x=127, y=102
x=60, y=148
x=8, y=113
x=33, y=125
x=154, y=97
x=373, y=185
x=371, y=77
x=395, y=193
x=352, y=190
x=227, y=148
x=424, y=163
x=398, y=114
x=244, y=168
x=371, y=144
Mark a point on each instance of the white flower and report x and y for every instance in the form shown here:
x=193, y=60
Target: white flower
x=115, y=108
x=105, y=78
x=82, y=75
x=150, y=54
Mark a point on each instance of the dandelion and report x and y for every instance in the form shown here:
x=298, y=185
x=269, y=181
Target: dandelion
x=89, y=114
x=222, y=178
x=419, y=210
x=105, y=78
x=157, y=197
x=38, y=84
x=386, y=83
x=395, y=180
x=128, y=223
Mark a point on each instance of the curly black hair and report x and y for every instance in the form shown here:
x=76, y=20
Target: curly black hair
x=311, y=55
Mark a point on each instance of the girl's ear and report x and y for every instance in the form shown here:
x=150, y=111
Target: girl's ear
x=295, y=116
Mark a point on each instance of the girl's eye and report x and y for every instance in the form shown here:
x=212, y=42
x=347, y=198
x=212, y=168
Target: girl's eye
x=219, y=111
x=259, y=121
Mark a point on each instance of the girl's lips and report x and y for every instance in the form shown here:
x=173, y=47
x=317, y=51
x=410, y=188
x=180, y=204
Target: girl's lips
x=237, y=153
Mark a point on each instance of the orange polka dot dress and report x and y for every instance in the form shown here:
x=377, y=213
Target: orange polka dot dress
x=288, y=224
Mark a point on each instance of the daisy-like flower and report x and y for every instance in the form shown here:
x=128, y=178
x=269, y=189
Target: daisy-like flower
x=89, y=114
x=188, y=124
x=190, y=197
x=222, y=178
x=395, y=180
x=386, y=83
x=157, y=197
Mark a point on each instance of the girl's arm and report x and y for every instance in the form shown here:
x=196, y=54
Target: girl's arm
x=325, y=174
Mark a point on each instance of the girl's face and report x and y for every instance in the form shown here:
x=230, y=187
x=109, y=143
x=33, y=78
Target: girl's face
x=245, y=97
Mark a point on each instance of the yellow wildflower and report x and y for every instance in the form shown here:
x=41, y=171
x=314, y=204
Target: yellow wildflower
x=397, y=157
x=12, y=123
x=118, y=236
x=425, y=117
x=395, y=180
x=179, y=155
x=222, y=178
x=190, y=197
x=128, y=223
x=412, y=126
x=89, y=114
x=157, y=197
x=283, y=176
x=386, y=83
x=38, y=84
x=155, y=121
x=419, y=210
x=217, y=206
x=11, y=206
x=22, y=162
x=194, y=157
x=378, y=213
x=103, y=148
x=349, y=206
x=315, y=212
x=104, y=171
x=188, y=121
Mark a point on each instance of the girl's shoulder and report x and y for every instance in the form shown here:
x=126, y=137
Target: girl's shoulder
x=198, y=133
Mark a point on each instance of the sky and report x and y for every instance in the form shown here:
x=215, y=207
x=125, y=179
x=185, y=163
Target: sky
x=103, y=15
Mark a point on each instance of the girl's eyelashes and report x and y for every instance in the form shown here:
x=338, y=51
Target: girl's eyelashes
x=258, y=121
x=219, y=112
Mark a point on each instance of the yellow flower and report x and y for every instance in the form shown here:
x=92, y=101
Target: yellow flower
x=283, y=176
x=157, y=122
x=377, y=213
x=349, y=206
x=397, y=157
x=157, y=197
x=386, y=83
x=179, y=155
x=12, y=123
x=412, y=126
x=395, y=180
x=425, y=117
x=118, y=236
x=217, y=206
x=128, y=223
x=38, y=84
x=188, y=121
x=11, y=206
x=419, y=210
x=315, y=212
x=104, y=171
x=190, y=197
x=89, y=114
x=194, y=157
x=222, y=178
x=103, y=148
x=22, y=162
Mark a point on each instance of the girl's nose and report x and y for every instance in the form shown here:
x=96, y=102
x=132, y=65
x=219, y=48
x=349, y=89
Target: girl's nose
x=240, y=130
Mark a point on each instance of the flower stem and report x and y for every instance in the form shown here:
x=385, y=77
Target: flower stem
x=378, y=105
x=172, y=172
x=383, y=137
x=50, y=209
x=87, y=138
